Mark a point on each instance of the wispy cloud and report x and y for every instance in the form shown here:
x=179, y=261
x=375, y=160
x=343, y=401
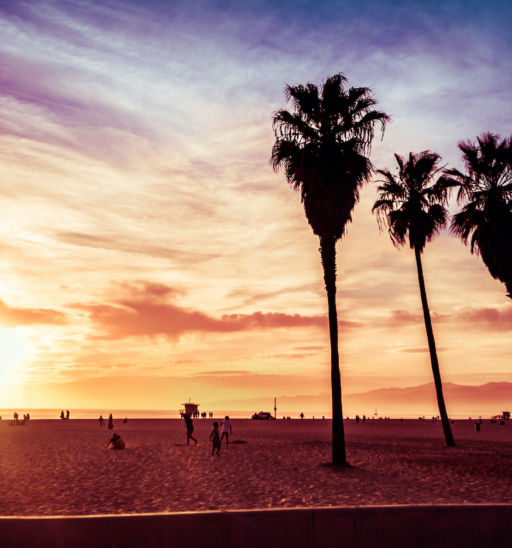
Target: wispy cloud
x=12, y=316
x=145, y=311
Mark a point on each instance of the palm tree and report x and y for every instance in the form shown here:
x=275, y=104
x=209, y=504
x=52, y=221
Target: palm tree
x=322, y=144
x=413, y=207
x=486, y=191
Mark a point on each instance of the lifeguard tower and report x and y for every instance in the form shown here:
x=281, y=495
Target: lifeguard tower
x=191, y=409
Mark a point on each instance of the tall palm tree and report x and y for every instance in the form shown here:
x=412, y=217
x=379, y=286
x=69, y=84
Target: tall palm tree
x=322, y=144
x=486, y=191
x=412, y=205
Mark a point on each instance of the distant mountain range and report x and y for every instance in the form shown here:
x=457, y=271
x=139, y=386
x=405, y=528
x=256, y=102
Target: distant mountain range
x=461, y=400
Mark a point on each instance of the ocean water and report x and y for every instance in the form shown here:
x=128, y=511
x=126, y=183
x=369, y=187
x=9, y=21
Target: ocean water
x=7, y=414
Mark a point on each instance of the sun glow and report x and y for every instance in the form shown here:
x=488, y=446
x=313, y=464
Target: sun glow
x=15, y=351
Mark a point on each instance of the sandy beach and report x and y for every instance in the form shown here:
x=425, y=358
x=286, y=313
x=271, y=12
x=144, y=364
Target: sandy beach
x=52, y=467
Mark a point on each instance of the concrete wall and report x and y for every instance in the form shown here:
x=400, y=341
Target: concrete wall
x=477, y=526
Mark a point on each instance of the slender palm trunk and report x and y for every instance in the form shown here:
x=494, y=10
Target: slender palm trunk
x=433, y=354
x=328, y=255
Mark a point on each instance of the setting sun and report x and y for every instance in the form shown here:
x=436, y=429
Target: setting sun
x=15, y=352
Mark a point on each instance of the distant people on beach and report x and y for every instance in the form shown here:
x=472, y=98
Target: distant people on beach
x=67, y=414
x=226, y=430
x=110, y=422
x=116, y=442
x=190, y=428
x=301, y=415
x=101, y=420
x=125, y=420
x=215, y=439
x=62, y=415
x=15, y=416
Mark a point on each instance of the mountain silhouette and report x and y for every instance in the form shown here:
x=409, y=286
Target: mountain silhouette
x=461, y=400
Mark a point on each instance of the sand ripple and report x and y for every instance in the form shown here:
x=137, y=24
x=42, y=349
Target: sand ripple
x=54, y=467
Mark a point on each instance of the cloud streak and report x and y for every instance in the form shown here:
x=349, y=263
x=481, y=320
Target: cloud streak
x=12, y=316
x=145, y=312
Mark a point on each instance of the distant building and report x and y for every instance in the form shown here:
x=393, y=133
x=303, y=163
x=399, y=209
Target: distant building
x=191, y=409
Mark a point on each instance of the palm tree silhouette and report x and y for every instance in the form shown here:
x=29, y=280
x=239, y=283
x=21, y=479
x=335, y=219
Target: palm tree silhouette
x=412, y=205
x=486, y=191
x=322, y=145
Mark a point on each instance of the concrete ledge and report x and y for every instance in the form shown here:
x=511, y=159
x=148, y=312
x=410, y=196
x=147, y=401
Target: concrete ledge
x=439, y=526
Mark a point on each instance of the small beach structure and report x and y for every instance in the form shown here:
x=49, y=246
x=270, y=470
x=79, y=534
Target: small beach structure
x=191, y=409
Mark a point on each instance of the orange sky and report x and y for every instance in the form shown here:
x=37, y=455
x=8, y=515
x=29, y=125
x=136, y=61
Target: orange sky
x=149, y=253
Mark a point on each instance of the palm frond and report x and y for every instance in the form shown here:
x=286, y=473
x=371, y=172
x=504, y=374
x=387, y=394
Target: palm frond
x=322, y=145
x=412, y=203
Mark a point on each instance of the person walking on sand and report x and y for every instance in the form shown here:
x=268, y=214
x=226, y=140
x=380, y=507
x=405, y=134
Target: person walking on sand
x=226, y=430
x=215, y=439
x=190, y=428
x=110, y=422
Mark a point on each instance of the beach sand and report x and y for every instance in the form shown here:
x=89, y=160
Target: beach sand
x=52, y=467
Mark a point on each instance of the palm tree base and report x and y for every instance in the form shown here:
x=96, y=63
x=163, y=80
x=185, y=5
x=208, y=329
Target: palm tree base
x=338, y=465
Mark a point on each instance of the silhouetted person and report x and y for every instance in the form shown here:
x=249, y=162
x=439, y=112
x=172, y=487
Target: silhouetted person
x=67, y=414
x=215, y=439
x=226, y=430
x=357, y=418
x=477, y=427
x=301, y=416
x=190, y=428
x=15, y=416
x=101, y=420
x=110, y=422
x=116, y=442
x=62, y=414
x=364, y=418
x=125, y=420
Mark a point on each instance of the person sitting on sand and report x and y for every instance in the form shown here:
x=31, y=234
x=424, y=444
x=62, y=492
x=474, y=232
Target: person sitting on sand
x=215, y=439
x=116, y=442
x=226, y=430
x=190, y=428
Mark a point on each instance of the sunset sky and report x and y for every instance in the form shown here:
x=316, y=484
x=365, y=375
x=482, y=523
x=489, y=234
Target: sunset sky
x=150, y=254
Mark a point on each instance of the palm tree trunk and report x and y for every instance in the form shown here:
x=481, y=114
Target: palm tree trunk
x=433, y=354
x=328, y=255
